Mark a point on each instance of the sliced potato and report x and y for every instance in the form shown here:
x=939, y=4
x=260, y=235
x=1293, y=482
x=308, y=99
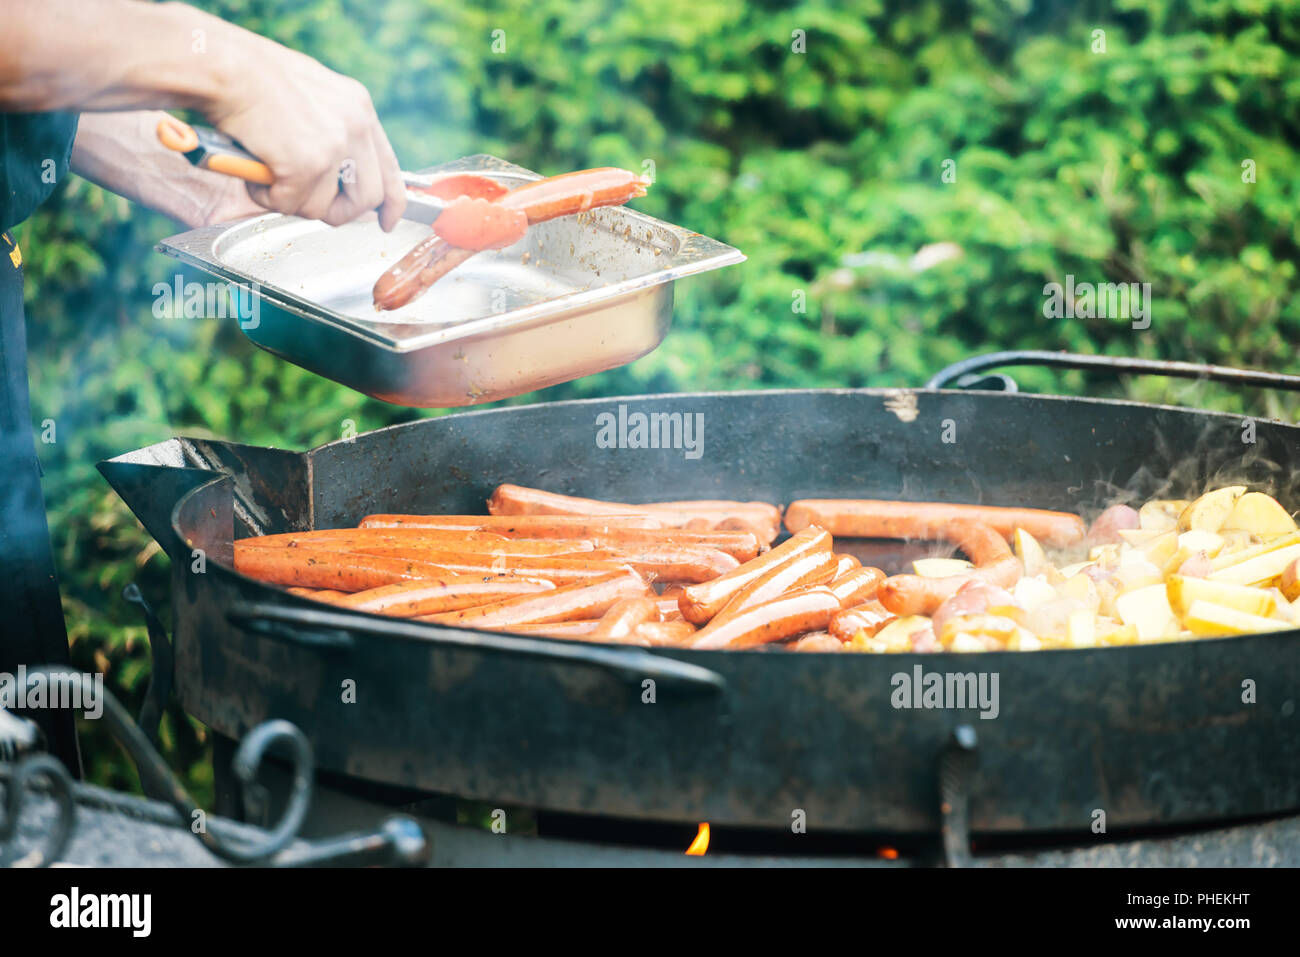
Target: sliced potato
x=1245, y=554
x=1081, y=629
x=1206, y=618
x=1138, y=537
x=1183, y=592
x=1029, y=593
x=1259, y=569
x=1160, y=515
x=1209, y=512
x=1162, y=547
x=1030, y=552
x=1260, y=515
x=941, y=567
x=1069, y=571
x=1148, y=610
x=897, y=635
x=1201, y=541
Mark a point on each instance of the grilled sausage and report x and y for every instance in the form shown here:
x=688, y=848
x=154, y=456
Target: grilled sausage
x=701, y=602
x=508, y=548
x=625, y=615
x=857, y=586
x=671, y=563
x=321, y=568
x=870, y=616
x=669, y=609
x=519, y=526
x=562, y=571
x=816, y=641
x=803, y=571
x=794, y=613
x=845, y=564
x=589, y=599
x=579, y=629
x=434, y=257
x=914, y=595
x=326, y=595
x=450, y=593
x=664, y=634
x=765, y=519
x=870, y=518
x=399, y=541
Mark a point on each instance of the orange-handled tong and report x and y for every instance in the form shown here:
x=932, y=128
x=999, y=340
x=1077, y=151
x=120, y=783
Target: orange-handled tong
x=210, y=149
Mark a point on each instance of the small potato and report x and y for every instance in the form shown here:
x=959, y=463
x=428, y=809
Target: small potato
x=1106, y=526
x=1209, y=512
x=1260, y=515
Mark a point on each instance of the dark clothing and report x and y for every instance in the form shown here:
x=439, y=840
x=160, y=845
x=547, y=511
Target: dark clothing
x=34, y=154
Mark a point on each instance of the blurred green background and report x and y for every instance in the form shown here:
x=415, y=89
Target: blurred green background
x=825, y=166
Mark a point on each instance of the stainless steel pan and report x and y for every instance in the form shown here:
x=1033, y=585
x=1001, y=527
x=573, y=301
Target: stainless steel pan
x=576, y=296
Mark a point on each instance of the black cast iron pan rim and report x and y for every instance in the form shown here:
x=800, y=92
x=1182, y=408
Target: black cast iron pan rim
x=883, y=393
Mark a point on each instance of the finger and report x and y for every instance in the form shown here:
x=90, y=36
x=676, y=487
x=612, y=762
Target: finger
x=394, y=202
x=320, y=200
x=363, y=184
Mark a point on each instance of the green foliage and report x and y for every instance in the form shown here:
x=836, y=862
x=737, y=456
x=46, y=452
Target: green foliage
x=825, y=167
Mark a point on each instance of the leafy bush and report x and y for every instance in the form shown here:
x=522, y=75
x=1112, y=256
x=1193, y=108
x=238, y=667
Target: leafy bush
x=827, y=167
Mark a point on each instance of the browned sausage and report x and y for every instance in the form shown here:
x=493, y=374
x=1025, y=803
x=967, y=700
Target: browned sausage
x=845, y=564
x=664, y=634
x=701, y=602
x=562, y=571
x=816, y=641
x=869, y=616
x=671, y=563
x=914, y=595
x=669, y=609
x=378, y=542
x=519, y=526
x=589, y=599
x=519, y=500
x=802, y=571
x=326, y=595
x=321, y=568
x=808, y=609
x=625, y=615
x=579, y=629
x=450, y=593
x=857, y=586
x=870, y=518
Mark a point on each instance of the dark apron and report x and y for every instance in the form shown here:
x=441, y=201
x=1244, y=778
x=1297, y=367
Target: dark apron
x=31, y=619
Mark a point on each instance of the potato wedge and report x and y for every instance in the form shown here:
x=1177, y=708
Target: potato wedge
x=940, y=567
x=1029, y=552
x=897, y=635
x=1183, y=592
x=1209, y=512
x=1261, y=515
x=1207, y=619
x=1260, y=569
x=1160, y=515
x=1148, y=610
x=1224, y=560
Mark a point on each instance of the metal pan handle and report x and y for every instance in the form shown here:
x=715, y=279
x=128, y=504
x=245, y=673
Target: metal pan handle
x=324, y=629
x=961, y=374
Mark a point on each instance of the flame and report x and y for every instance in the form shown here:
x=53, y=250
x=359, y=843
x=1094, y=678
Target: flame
x=888, y=853
x=701, y=842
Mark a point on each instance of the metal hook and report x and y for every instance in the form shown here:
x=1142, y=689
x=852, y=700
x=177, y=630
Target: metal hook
x=52, y=770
